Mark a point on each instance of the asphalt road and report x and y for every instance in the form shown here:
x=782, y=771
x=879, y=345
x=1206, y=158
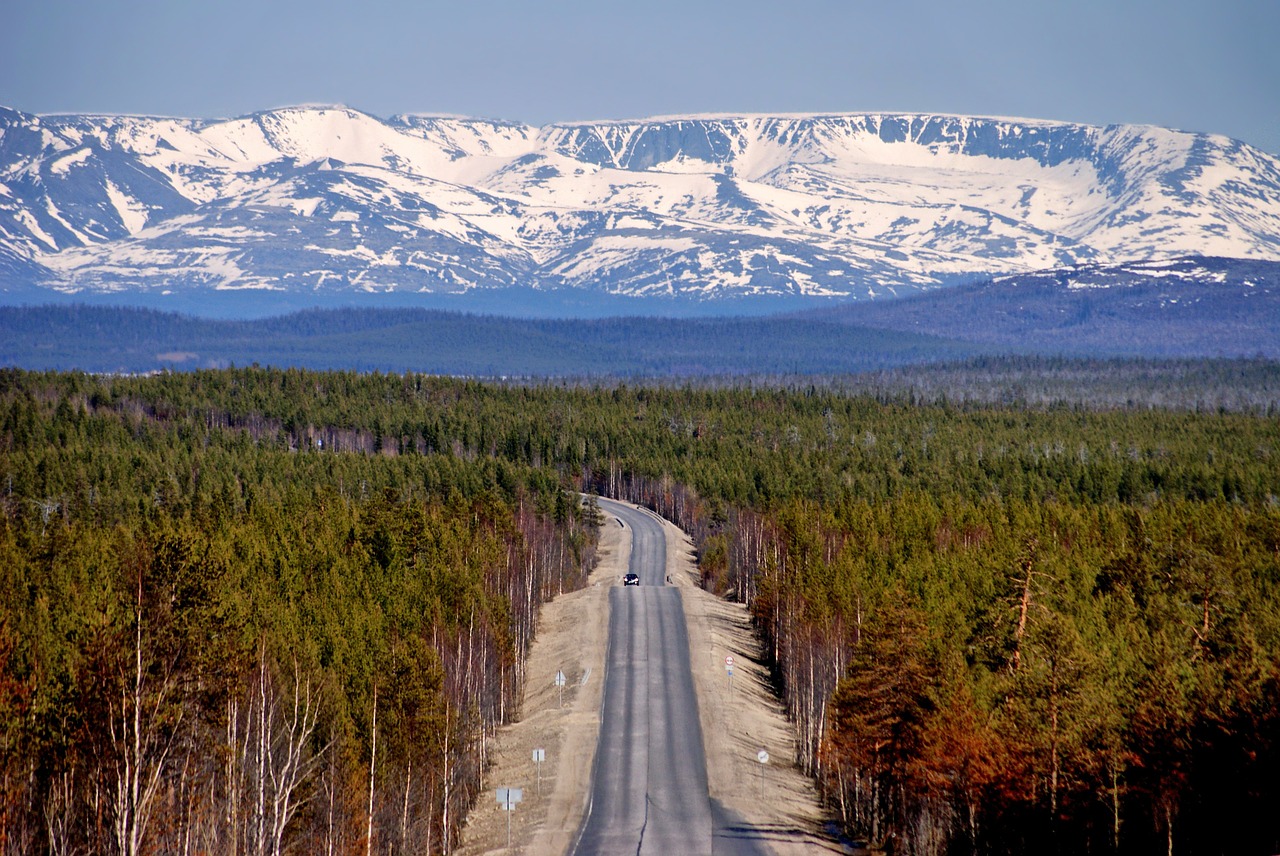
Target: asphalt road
x=649, y=783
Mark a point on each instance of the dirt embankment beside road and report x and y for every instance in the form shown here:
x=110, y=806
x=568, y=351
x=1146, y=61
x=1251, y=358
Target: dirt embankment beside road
x=738, y=721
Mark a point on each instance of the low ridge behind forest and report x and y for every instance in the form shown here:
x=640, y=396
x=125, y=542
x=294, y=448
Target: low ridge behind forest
x=256, y=610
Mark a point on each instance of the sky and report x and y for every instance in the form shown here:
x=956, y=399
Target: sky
x=1195, y=65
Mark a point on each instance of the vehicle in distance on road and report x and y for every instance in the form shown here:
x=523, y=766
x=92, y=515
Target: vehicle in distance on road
x=631, y=580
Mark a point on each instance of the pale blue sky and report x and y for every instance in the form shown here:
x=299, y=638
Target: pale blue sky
x=1199, y=65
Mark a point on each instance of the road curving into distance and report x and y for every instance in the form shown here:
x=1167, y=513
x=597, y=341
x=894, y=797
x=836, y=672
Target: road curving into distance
x=649, y=791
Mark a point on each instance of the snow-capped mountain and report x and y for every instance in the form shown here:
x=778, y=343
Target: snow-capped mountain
x=325, y=204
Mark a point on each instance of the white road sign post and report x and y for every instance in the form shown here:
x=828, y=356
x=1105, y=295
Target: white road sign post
x=507, y=798
x=728, y=670
x=539, y=755
x=560, y=684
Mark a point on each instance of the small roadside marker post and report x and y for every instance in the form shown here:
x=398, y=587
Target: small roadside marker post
x=507, y=798
x=539, y=755
x=763, y=757
x=560, y=684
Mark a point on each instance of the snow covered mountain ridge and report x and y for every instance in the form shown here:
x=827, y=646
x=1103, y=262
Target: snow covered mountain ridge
x=331, y=204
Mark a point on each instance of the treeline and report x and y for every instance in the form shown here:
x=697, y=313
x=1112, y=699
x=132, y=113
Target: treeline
x=1000, y=627
x=1240, y=385
x=212, y=644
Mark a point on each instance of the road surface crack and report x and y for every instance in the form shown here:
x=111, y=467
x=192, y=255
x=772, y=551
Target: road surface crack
x=640, y=844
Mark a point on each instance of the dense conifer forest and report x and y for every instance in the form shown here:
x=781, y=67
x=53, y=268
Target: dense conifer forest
x=213, y=641
x=250, y=610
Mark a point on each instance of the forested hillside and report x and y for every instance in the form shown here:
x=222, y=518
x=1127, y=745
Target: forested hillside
x=211, y=642
x=1006, y=624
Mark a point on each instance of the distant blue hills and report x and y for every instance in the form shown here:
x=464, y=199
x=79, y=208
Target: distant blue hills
x=1188, y=308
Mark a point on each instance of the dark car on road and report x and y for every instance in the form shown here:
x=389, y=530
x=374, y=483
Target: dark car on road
x=631, y=580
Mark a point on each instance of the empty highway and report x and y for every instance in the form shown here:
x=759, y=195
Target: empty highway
x=649, y=782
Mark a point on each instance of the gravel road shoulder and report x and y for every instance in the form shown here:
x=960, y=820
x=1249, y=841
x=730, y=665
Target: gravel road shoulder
x=736, y=724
